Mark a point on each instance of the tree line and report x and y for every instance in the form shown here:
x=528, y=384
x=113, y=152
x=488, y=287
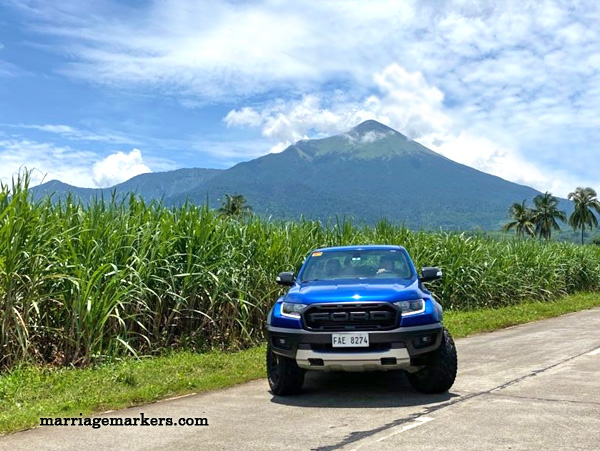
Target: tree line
x=540, y=220
x=543, y=218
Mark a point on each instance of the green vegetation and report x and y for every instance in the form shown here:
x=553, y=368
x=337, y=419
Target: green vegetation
x=462, y=324
x=543, y=219
x=547, y=215
x=585, y=204
x=27, y=393
x=234, y=206
x=370, y=172
x=87, y=284
x=539, y=221
x=522, y=220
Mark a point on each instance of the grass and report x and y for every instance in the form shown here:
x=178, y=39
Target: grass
x=28, y=393
x=462, y=324
x=85, y=284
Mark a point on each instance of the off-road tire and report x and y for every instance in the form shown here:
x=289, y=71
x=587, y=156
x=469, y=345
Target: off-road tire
x=440, y=368
x=284, y=375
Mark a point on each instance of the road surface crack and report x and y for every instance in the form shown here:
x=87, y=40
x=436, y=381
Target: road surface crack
x=354, y=437
x=535, y=398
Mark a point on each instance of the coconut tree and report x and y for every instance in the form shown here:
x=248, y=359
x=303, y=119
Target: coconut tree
x=521, y=220
x=234, y=206
x=546, y=215
x=585, y=204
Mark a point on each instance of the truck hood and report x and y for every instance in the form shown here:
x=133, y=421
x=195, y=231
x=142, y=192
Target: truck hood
x=353, y=291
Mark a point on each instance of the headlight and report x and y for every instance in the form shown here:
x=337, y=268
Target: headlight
x=411, y=307
x=292, y=310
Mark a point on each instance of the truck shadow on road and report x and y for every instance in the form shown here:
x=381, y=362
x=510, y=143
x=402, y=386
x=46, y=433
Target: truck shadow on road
x=359, y=390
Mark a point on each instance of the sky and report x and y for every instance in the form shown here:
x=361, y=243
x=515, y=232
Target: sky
x=93, y=93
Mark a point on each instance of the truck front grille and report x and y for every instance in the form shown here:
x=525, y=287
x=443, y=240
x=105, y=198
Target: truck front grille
x=355, y=316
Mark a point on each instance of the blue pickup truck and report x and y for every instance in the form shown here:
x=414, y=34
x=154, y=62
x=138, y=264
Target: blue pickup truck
x=359, y=308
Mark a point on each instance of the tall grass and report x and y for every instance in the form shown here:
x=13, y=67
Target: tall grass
x=80, y=283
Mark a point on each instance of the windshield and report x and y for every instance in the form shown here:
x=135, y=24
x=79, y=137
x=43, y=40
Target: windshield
x=357, y=264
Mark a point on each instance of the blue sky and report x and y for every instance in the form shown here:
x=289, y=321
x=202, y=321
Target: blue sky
x=93, y=93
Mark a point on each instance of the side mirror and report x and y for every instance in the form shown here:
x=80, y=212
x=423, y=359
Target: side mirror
x=285, y=278
x=429, y=274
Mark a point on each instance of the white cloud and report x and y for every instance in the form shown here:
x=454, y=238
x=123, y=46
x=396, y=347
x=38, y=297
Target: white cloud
x=215, y=49
x=7, y=69
x=76, y=134
x=280, y=146
x=372, y=136
x=46, y=161
x=524, y=75
x=118, y=167
x=483, y=154
x=180, y=48
x=287, y=122
x=246, y=116
x=82, y=168
x=407, y=103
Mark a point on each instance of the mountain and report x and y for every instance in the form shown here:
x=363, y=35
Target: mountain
x=158, y=184
x=370, y=172
x=155, y=185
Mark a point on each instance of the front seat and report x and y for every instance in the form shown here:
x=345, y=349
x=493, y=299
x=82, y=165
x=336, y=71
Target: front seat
x=333, y=267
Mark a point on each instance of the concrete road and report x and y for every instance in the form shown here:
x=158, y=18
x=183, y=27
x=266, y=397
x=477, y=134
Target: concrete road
x=535, y=387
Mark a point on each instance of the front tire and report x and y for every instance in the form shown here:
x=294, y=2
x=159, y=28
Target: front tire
x=440, y=368
x=284, y=375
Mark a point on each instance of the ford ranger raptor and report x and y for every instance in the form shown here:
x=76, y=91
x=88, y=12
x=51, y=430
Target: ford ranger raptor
x=359, y=308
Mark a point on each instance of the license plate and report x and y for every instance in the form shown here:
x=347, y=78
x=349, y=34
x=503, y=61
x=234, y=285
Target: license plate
x=350, y=340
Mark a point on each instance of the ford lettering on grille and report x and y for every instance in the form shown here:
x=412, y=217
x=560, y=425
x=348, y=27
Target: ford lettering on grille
x=339, y=317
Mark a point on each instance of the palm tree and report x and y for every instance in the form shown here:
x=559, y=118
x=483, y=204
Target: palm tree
x=522, y=220
x=585, y=204
x=234, y=206
x=546, y=214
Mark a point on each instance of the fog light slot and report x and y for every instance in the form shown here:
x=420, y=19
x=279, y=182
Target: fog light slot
x=423, y=341
x=388, y=361
x=281, y=342
x=316, y=362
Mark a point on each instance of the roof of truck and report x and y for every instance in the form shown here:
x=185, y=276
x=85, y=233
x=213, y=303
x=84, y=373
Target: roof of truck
x=360, y=247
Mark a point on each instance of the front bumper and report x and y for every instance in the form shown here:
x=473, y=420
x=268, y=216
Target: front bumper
x=393, y=349
x=357, y=361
